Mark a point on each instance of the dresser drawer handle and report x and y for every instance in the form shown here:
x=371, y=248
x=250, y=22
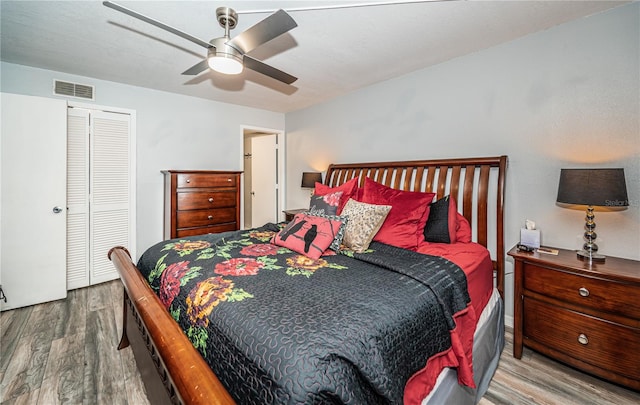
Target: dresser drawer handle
x=229, y=180
x=583, y=292
x=188, y=180
x=210, y=217
x=582, y=339
x=210, y=199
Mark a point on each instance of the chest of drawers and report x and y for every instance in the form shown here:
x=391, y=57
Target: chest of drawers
x=584, y=314
x=199, y=202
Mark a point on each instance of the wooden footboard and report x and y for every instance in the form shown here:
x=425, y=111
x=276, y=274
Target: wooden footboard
x=186, y=375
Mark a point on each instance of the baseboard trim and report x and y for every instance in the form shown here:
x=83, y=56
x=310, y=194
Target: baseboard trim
x=508, y=321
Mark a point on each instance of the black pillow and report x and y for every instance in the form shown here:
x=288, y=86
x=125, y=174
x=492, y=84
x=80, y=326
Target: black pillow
x=437, y=227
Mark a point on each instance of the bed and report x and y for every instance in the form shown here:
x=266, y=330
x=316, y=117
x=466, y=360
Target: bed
x=461, y=359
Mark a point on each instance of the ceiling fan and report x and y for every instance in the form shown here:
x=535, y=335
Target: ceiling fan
x=229, y=55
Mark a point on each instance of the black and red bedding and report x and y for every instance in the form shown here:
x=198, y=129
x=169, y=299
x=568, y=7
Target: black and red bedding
x=279, y=327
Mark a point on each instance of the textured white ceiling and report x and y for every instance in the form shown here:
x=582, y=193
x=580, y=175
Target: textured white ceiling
x=332, y=51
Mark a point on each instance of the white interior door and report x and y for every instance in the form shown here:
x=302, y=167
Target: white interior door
x=34, y=166
x=264, y=180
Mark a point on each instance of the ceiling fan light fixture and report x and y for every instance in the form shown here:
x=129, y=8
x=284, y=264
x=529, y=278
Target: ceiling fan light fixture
x=224, y=59
x=225, y=64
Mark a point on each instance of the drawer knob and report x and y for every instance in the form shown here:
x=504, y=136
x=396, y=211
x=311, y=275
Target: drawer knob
x=210, y=217
x=188, y=180
x=582, y=339
x=229, y=180
x=583, y=292
x=210, y=199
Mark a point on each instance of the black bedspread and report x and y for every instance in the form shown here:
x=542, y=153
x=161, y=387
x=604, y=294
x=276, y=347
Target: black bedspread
x=277, y=327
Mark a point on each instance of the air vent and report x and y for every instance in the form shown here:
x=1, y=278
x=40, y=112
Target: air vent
x=76, y=90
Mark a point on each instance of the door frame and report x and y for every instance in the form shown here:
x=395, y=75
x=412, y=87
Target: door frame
x=280, y=136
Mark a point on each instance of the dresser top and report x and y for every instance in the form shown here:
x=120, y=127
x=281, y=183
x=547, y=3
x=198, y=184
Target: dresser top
x=614, y=268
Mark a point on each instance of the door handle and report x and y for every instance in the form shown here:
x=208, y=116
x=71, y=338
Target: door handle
x=57, y=210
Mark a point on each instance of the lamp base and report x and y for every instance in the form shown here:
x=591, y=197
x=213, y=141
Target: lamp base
x=590, y=256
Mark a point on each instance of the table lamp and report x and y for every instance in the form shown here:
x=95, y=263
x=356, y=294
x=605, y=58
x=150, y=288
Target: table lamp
x=309, y=179
x=593, y=188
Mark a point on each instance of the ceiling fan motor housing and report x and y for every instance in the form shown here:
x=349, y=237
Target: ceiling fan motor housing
x=221, y=49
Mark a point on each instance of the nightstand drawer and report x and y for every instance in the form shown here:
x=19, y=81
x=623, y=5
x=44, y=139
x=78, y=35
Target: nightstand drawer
x=588, y=339
x=603, y=295
x=192, y=180
x=188, y=219
x=203, y=200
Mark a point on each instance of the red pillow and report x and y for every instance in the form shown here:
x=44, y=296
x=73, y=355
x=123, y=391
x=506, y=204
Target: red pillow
x=405, y=223
x=348, y=191
x=308, y=235
x=463, y=230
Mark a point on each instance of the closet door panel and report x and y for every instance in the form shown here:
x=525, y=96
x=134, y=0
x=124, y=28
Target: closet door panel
x=77, y=198
x=110, y=228
x=110, y=171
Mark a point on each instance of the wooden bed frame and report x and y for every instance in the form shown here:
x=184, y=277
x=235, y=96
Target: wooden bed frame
x=172, y=369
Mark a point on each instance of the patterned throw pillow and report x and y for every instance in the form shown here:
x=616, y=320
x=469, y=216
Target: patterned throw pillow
x=364, y=222
x=337, y=240
x=325, y=204
x=309, y=235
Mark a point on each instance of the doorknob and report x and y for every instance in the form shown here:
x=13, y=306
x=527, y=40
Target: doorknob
x=57, y=210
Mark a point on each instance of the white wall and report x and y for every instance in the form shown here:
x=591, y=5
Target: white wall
x=173, y=132
x=567, y=97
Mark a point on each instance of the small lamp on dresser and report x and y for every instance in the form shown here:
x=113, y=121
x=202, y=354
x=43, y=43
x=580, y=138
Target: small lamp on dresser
x=593, y=188
x=309, y=179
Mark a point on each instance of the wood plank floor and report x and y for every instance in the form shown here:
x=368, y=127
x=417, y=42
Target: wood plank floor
x=64, y=352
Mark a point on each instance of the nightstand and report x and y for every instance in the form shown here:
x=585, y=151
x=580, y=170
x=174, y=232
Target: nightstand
x=289, y=214
x=585, y=315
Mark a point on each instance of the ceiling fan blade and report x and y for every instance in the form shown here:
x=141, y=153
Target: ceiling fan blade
x=271, y=27
x=260, y=67
x=197, y=68
x=157, y=24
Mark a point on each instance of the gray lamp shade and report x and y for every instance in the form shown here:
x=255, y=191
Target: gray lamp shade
x=597, y=187
x=309, y=179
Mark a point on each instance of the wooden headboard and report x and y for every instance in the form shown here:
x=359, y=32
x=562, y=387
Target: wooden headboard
x=477, y=184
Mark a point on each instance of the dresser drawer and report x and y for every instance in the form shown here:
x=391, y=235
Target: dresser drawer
x=206, y=199
x=193, y=180
x=599, y=294
x=208, y=229
x=605, y=345
x=190, y=219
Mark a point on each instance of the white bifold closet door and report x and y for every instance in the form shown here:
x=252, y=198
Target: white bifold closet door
x=98, y=193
